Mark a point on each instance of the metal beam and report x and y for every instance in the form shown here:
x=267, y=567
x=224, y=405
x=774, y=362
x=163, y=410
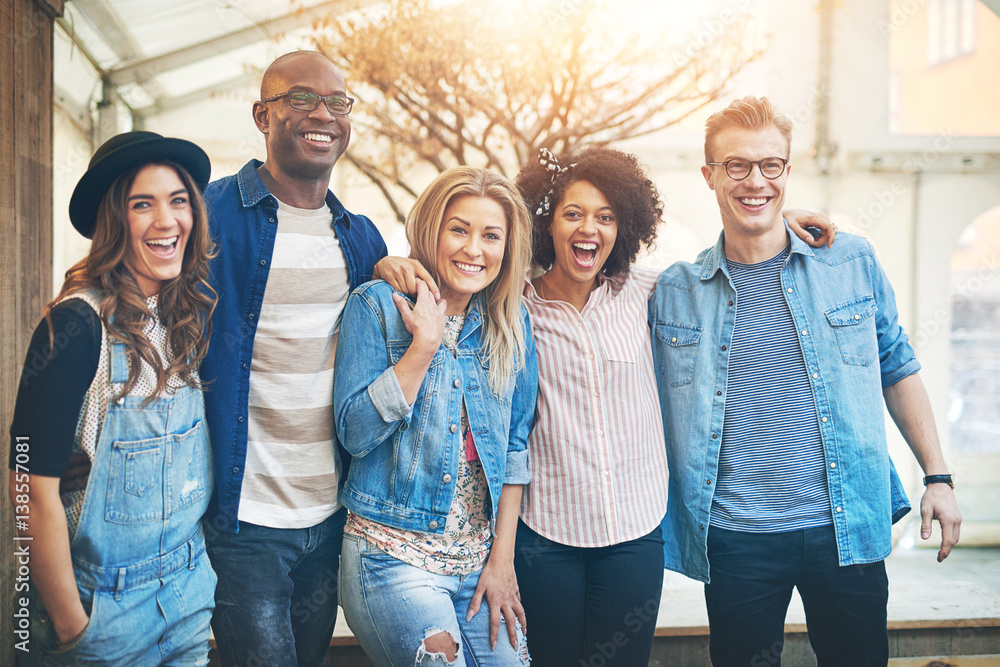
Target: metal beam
x=103, y=18
x=79, y=114
x=144, y=70
x=170, y=103
x=79, y=44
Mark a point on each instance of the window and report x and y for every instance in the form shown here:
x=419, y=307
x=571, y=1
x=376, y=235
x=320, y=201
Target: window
x=951, y=30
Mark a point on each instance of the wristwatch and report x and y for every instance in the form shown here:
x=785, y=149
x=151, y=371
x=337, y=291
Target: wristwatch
x=939, y=479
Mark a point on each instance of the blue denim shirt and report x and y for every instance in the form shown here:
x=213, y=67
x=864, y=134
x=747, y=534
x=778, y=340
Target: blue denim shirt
x=853, y=346
x=244, y=221
x=406, y=457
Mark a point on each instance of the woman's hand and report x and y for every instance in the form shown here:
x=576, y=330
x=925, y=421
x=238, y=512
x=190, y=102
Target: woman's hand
x=425, y=320
x=404, y=274
x=51, y=561
x=798, y=220
x=69, y=634
x=498, y=583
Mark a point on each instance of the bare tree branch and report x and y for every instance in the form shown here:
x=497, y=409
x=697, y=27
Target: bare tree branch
x=442, y=87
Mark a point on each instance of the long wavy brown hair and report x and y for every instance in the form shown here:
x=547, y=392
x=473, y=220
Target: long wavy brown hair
x=185, y=303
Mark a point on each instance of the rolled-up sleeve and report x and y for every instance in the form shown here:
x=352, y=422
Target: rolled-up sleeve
x=368, y=402
x=387, y=397
x=522, y=413
x=897, y=358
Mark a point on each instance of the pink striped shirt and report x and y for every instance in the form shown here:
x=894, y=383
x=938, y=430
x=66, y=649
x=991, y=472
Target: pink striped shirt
x=598, y=460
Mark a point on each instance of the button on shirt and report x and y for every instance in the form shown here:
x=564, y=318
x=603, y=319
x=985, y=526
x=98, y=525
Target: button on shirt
x=598, y=464
x=852, y=345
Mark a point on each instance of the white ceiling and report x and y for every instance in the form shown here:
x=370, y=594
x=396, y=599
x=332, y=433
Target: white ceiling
x=163, y=55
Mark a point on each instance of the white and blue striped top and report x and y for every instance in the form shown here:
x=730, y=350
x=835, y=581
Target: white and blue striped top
x=772, y=475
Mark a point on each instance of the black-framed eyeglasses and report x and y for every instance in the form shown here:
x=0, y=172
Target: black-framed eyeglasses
x=339, y=105
x=738, y=168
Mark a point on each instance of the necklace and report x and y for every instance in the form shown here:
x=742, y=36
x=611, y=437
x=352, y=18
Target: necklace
x=543, y=288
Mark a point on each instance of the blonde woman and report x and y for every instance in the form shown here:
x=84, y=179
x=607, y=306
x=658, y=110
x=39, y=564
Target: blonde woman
x=434, y=400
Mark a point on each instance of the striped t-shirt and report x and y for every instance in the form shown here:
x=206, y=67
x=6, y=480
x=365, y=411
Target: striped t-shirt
x=292, y=467
x=598, y=459
x=772, y=474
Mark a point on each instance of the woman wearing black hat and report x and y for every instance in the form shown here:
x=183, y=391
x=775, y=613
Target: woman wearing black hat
x=120, y=575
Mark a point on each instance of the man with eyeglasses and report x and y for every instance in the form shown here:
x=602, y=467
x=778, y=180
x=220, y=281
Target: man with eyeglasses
x=289, y=254
x=773, y=361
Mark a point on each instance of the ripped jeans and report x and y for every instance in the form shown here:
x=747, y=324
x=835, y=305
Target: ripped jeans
x=392, y=608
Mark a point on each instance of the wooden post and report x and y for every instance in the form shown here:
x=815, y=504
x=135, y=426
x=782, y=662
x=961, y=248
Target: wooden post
x=25, y=229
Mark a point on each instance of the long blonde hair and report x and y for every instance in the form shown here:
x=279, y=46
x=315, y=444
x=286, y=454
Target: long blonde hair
x=502, y=318
x=185, y=303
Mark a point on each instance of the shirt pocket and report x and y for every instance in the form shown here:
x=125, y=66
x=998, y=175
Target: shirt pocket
x=853, y=324
x=481, y=381
x=136, y=484
x=428, y=387
x=621, y=330
x=189, y=467
x=679, y=351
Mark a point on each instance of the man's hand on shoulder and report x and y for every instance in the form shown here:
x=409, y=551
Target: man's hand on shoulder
x=939, y=503
x=403, y=273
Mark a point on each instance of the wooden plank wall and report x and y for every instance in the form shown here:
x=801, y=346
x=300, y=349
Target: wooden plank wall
x=25, y=228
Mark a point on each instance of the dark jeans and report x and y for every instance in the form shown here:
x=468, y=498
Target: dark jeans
x=276, y=601
x=589, y=607
x=752, y=576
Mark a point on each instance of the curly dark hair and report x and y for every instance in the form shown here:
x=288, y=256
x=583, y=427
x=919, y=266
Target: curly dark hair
x=622, y=181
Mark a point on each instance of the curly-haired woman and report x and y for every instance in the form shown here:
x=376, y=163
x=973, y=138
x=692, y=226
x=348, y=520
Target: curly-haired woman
x=589, y=552
x=119, y=576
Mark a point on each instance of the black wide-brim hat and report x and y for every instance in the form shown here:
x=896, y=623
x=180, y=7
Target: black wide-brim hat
x=128, y=151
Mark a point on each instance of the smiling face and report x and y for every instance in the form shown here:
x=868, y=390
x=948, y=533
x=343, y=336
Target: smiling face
x=583, y=229
x=751, y=207
x=470, y=249
x=302, y=145
x=159, y=223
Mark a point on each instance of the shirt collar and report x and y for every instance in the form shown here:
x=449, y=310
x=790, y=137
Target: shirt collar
x=253, y=191
x=613, y=284
x=715, y=258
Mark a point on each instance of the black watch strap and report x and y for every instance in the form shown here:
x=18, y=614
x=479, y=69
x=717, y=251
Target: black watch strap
x=939, y=479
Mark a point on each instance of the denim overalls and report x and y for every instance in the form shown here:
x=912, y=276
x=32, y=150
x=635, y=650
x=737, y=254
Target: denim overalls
x=139, y=551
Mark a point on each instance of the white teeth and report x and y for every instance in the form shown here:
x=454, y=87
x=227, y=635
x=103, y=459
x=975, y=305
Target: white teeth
x=314, y=136
x=164, y=242
x=754, y=202
x=469, y=267
x=585, y=246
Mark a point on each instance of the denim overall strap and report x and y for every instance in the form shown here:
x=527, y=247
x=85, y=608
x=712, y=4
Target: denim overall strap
x=118, y=368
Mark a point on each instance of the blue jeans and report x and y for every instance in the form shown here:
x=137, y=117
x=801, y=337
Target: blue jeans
x=752, y=579
x=276, y=601
x=590, y=607
x=393, y=607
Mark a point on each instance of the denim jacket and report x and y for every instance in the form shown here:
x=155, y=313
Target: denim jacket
x=244, y=223
x=406, y=457
x=853, y=346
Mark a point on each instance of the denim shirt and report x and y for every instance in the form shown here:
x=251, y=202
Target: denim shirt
x=244, y=223
x=406, y=457
x=853, y=346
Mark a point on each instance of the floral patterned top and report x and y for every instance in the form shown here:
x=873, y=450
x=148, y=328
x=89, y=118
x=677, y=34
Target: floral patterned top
x=465, y=543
